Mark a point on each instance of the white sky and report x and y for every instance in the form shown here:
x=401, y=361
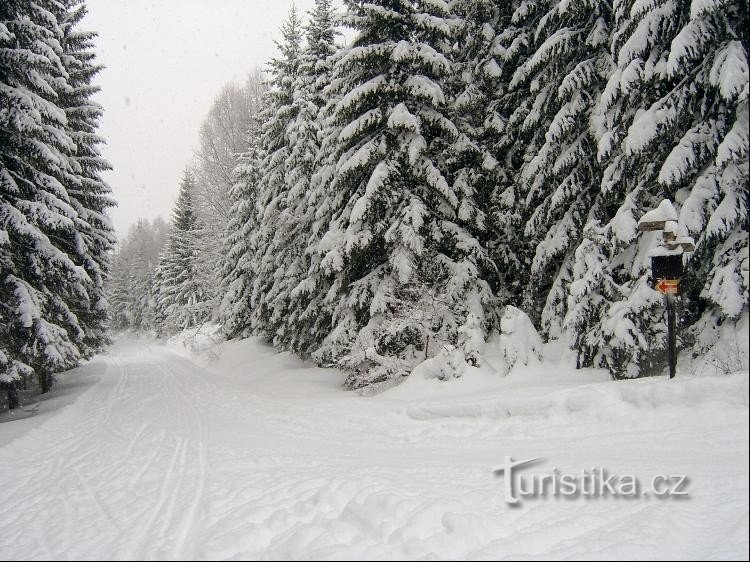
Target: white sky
x=166, y=61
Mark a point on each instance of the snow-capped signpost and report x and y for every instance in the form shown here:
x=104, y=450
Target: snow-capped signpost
x=666, y=266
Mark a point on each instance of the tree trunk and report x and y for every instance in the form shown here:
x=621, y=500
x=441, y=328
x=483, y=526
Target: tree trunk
x=12, y=392
x=45, y=382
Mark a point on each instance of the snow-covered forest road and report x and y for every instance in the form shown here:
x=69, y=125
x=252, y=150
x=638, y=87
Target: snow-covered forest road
x=147, y=454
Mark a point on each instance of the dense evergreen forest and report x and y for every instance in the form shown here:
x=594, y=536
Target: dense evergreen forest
x=373, y=204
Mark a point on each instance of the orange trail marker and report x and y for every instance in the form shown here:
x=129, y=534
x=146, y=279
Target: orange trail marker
x=668, y=286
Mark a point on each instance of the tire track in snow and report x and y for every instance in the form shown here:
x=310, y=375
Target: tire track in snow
x=150, y=461
x=192, y=416
x=100, y=442
x=49, y=453
x=143, y=538
x=93, y=495
x=189, y=523
x=166, y=489
x=172, y=520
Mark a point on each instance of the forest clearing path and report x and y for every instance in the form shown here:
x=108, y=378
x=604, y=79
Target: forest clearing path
x=154, y=455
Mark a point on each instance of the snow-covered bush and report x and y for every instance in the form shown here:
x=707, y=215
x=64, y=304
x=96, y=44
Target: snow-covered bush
x=411, y=324
x=730, y=352
x=518, y=342
x=450, y=363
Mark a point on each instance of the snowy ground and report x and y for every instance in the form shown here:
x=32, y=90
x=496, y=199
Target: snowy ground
x=147, y=453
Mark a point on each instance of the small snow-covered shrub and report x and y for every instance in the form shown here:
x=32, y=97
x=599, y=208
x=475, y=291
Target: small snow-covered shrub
x=202, y=339
x=366, y=367
x=517, y=343
x=411, y=323
x=471, y=340
x=450, y=363
x=729, y=353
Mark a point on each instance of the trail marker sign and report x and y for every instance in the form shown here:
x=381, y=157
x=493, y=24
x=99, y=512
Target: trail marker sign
x=666, y=265
x=668, y=286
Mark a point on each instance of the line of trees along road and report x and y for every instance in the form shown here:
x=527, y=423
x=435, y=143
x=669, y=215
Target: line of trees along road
x=374, y=204
x=393, y=195
x=55, y=237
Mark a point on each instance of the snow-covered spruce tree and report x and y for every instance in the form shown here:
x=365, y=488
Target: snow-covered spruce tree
x=42, y=252
x=317, y=57
x=131, y=287
x=237, y=276
x=591, y=293
x=487, y=52
x=560, y=177
x=313, y=292
x=181, y=299
x=399, y=249
x=296, y=307
x=223, y=138
x=139, y=292
x=508, y=107
x=708, y=168
x=158, y=312
x=672, y=122
x=267, y=303
x=90, y=195
x=118, y=295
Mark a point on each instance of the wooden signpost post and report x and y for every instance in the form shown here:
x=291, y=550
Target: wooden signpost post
x=666, y=267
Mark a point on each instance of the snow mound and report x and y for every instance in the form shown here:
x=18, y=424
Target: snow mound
x=605, y=401
x=663, y=213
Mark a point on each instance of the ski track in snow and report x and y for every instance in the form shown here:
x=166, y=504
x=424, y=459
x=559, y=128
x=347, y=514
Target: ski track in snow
x=159, y=457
